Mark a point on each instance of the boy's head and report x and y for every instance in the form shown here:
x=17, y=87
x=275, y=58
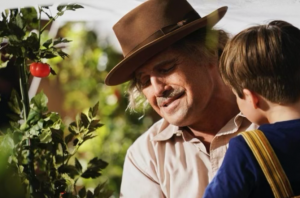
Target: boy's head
x=264, y=59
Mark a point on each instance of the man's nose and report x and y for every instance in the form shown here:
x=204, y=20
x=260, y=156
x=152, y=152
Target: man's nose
x=159, y=86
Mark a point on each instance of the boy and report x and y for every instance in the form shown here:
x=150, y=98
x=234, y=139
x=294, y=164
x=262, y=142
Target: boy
x=262, y=65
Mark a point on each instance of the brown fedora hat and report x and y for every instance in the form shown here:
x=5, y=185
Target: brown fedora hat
x=152, y=27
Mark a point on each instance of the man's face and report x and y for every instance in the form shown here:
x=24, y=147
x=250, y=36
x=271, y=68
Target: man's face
x=176, y=86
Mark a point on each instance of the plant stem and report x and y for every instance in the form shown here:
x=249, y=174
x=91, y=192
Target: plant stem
x=39, y=24
x=24, y=88
x=25, y=99
x=71, y=155
x=50, y=21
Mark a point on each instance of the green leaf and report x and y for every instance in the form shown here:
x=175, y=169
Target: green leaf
x=90, y=115
x=45, y=136
x=13, y=116
x=82, y=192
x=73, y=7
x=75, y=142
x=94, y=167
x=6, y=148
x=69, y=182
x=6, y=142
x=13, y=13
x=84, y=119
x=78, y=165
x=89, y=194
x=101, y=191
x=33, y=41
x=60, y=185
x=90, y=174
x=52, y=71
x=59, y=159
x=14, y=50
x=61, y=40
x=34, y=131
x=87, y=137
x=3, y=16
x=19, y=21
x=61, y=7
x=69, y=169
x=57, y=134
x=47, y=43
x=60, y=13
x=99, y=188
x=73, y=128
x=60, y=53
x=16, y=28
x=78, y=123
x=99, y=163
x=33, y=117
x=15, y=102
x=14, y=38
x=95, y=127
x=95, y=123
x=47, y=54
x=95, y=109
x=69, y=138
x=53, y=120
x=30, y=16
x=39, y=102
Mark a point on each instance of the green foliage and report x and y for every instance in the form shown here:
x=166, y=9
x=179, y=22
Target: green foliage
x=16, y=26
x=49, y=150
x=36, y=153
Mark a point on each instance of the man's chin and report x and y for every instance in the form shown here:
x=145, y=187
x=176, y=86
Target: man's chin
x=175, y=120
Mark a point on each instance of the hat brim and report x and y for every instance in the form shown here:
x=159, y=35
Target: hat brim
x=124, y=70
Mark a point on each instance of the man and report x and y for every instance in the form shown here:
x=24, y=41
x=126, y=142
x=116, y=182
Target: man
x=171, y=57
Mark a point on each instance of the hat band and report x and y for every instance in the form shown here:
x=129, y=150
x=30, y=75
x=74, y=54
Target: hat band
x=191, y=16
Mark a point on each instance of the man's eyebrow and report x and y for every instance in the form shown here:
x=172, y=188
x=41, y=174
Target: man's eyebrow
x=165, y=62
x=158, y=65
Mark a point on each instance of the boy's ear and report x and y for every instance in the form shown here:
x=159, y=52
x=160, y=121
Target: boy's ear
x=251, y=97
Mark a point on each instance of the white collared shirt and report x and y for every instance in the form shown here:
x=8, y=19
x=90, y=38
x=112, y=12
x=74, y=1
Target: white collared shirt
x=168, y=162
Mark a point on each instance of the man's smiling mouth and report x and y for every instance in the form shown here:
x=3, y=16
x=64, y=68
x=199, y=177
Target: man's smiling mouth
x=164, y=102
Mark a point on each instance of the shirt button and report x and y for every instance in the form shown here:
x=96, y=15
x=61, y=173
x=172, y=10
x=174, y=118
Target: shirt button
x=178, y=133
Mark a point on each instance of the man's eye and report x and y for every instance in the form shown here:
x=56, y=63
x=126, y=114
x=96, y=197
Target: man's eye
x=168, y=69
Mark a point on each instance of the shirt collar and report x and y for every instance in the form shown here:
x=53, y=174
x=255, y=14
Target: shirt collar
x=232, y=125
x=167, y=130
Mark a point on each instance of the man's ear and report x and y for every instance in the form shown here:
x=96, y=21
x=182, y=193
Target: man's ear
x=251, y=97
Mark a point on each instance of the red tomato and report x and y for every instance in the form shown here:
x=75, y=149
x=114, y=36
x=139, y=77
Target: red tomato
x=39, y=69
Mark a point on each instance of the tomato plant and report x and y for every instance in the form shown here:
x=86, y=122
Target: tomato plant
x=39, y=69
x=36, y=156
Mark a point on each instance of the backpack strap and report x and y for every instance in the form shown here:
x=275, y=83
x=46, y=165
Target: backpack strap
x=269, y=163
